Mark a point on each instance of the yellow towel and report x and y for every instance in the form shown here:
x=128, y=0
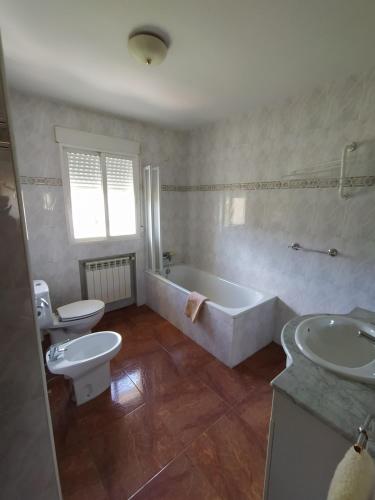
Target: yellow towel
x=353, y=478
x=193, y=305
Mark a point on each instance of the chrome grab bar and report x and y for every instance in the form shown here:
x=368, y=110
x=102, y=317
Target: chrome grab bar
x=332, y=252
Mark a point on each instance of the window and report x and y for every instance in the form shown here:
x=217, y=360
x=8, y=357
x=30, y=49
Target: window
x=102, y=194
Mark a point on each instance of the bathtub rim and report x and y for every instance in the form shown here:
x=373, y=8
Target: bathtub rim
x=234, y=312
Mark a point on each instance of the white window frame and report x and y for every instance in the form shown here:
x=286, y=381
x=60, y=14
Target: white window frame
x=102, y=150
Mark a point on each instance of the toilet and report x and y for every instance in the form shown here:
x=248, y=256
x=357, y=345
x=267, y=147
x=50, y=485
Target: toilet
x=70, y=321
x=85, y=360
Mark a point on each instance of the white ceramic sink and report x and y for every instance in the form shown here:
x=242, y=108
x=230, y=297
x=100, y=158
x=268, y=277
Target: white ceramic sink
x=339, y=343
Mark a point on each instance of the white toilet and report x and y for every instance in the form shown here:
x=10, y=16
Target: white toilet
x=86, y=361
x=70, y=321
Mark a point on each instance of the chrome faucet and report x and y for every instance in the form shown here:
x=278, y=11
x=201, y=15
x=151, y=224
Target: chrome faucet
x=366, y=335
x=56, y=350
x=168, y=256
x=167, y=261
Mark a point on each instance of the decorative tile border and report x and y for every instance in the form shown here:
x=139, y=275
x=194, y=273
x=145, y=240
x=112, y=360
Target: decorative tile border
x=311, y=183
x=41, y=181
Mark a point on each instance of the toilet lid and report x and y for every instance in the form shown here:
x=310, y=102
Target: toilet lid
x=79, y=310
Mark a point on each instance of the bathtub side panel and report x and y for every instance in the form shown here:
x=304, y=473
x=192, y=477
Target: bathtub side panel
x=253, y=330
x=213, y=330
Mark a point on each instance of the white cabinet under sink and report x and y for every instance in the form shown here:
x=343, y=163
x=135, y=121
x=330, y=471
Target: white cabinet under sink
x=303, y=453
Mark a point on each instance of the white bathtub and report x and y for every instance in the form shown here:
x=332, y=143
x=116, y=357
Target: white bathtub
x=233, y=324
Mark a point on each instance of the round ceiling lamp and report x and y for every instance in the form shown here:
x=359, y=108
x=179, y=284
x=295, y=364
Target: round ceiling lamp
x=147, y=48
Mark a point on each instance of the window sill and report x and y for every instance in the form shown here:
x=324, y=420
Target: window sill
x=112, y=239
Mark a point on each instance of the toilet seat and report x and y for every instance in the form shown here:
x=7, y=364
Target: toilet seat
x=79, y=310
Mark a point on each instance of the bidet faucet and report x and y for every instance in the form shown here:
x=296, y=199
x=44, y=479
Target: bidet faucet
x=57, y=349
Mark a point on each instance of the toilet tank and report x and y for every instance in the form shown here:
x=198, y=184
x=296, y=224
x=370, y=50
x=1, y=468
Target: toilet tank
x=43, y=304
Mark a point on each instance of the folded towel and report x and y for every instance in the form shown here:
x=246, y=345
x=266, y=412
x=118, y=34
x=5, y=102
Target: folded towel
x=353, y=478
x=193, y=305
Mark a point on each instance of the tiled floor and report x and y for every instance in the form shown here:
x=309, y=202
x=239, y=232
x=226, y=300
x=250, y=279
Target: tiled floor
x=175, y=424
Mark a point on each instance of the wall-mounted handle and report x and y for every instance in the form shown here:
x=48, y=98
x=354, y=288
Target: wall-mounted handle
x=332, y=252
x=348, y=148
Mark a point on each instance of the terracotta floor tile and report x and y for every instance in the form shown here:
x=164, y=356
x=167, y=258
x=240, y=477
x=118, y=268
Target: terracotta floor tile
x=189, y=357
x=59, y=400
x=167, y=394
x=93, y=491
x=67, y=435
x=188, y=408
x=146, y=317
x=232, y=385
x=77, y=471
x=114, y=321
x=255, y=410
x=133, y=450
x=268, y=362
x=120, y=327
x=58, y=392
x=179, y=481
x=152, y=373
x=120, y=399
x=168, y=335
x=230, y=459
x=135, y=345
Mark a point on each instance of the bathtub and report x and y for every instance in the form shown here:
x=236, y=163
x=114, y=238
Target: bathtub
x=232, y=325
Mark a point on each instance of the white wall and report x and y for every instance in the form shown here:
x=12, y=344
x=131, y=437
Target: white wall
x=53, y=257
x=259, y=146
x=264, y=145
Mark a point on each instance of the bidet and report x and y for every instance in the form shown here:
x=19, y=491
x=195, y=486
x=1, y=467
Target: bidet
x=86, y=361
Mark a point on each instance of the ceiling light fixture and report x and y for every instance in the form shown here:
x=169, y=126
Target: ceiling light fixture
x=147, y=48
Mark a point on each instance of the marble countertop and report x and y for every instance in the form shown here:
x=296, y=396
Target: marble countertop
x=341, y=403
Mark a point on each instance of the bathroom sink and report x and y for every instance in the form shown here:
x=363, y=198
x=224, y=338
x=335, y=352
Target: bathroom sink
x=339, y=343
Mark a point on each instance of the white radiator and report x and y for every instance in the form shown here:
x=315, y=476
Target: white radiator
x=109, y=280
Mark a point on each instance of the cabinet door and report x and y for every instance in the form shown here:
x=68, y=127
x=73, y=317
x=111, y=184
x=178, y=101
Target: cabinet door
x=303, y=453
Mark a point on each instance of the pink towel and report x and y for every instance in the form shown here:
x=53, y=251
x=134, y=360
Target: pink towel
x=193, y=305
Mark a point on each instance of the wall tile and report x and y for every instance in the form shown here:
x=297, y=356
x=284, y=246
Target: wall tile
x=53, y=257
x=263, y=145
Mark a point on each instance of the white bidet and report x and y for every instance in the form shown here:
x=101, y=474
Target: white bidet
x=86, y=361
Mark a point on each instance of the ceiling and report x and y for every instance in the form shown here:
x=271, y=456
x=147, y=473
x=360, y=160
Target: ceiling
x=225, y=55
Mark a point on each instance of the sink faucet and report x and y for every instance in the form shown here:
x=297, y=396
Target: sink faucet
x=366, y=335
x=56, y=350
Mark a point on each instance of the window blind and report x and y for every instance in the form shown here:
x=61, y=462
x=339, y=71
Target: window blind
x=120, y=195
x=102, y=194
x=86, y=194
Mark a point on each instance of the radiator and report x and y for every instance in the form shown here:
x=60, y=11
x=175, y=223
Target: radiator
x=109, y=280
